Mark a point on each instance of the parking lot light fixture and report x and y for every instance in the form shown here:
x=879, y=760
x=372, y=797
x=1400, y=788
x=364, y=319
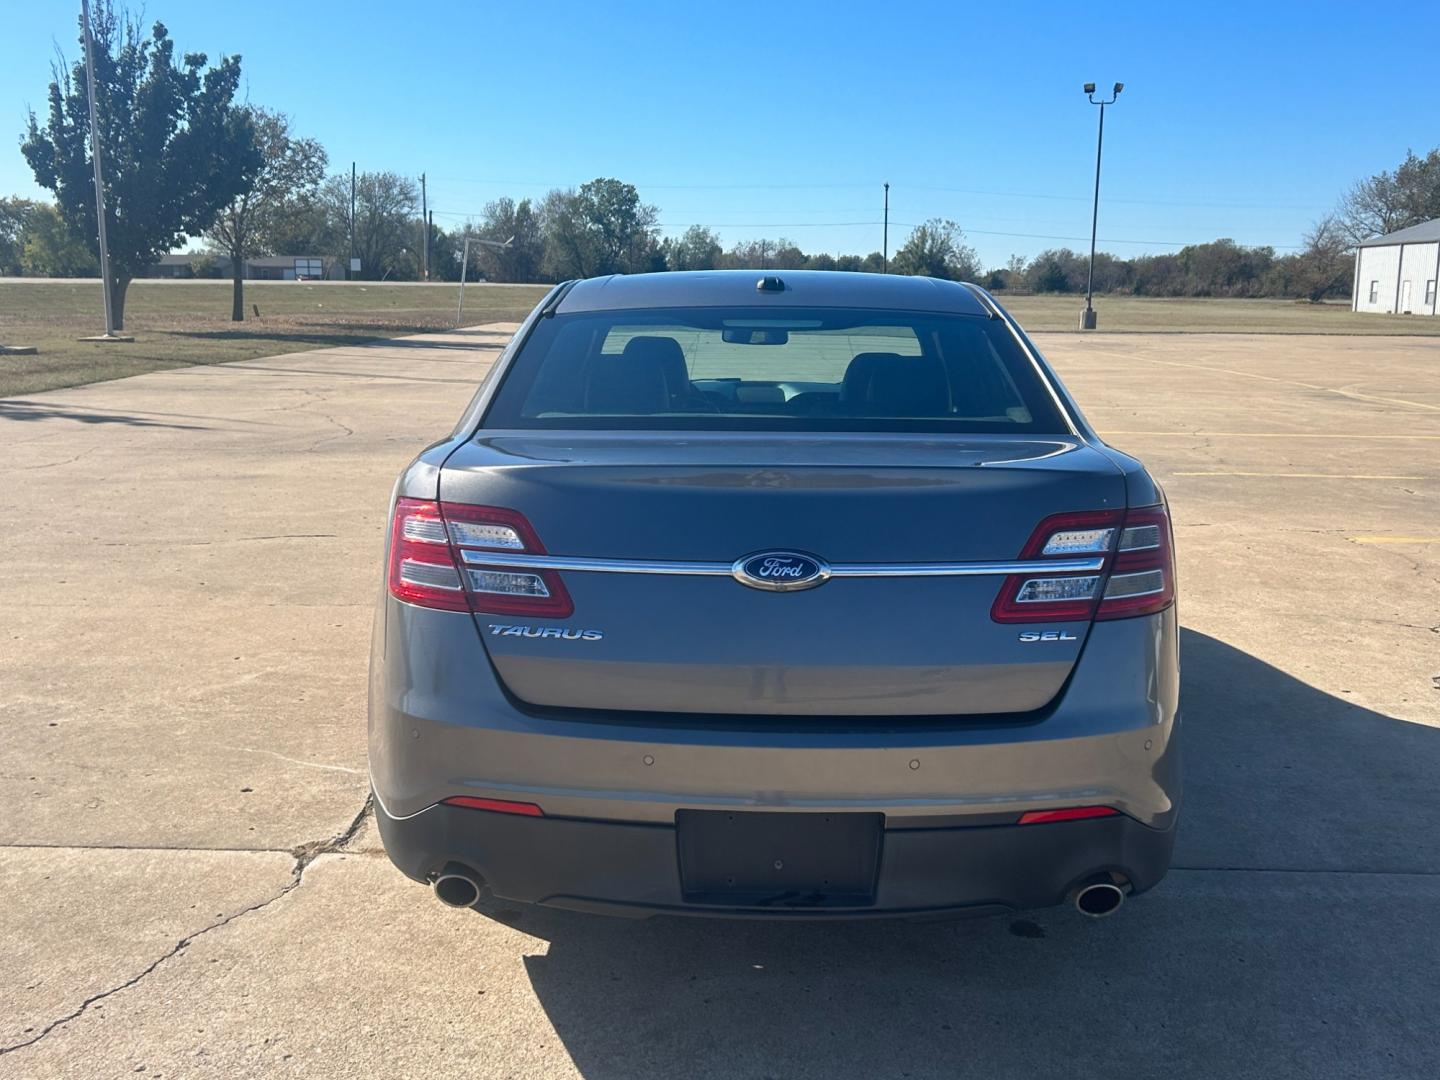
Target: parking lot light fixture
x=1087, y=318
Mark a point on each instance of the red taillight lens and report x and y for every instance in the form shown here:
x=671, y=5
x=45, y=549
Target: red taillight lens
x=1138, y=577
x=498, y=806
x=422, y=568
x=440, y=558
x=1040, y=597
x=1072, y=813
x=1142, y=579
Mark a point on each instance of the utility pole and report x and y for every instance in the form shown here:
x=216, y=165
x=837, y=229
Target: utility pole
x=885, y=243
x=99, y=178
x=1087, y=317
x=350, y=270
x=429, y=233
x=425, y=227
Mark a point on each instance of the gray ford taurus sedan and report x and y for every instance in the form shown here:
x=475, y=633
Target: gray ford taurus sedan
x=796, y=595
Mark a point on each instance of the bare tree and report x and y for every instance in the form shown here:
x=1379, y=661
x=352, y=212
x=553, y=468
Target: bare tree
x=1389, y=201
x=1325, y=264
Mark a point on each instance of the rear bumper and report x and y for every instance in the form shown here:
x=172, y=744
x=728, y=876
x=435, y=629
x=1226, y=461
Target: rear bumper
x=440, y=725
x=632, y=869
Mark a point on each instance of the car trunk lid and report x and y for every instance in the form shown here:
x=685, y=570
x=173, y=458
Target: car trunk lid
x=901, y=644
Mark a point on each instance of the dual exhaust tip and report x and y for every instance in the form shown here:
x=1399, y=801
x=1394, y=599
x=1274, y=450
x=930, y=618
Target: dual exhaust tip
x=458, y=887
x=1099, y=896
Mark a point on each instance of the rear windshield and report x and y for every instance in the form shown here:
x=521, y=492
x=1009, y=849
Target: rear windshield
x=739, y=369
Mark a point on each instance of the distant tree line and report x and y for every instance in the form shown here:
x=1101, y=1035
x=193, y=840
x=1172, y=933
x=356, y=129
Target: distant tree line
x=184, y=160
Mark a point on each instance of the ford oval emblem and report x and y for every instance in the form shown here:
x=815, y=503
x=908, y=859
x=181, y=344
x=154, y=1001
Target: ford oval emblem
x=781, y=571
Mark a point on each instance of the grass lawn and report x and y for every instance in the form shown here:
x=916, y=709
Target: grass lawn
x=176, y=324
x=180, y=323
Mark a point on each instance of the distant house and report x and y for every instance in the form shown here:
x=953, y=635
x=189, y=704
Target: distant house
x=191, y=264
x=1397, y=273
x=289, y=268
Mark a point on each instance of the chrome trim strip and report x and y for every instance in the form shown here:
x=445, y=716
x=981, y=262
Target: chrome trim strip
x=852, y=570
x=604, y=566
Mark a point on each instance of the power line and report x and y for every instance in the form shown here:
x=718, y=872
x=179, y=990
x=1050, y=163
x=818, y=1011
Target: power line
x=1203, y=204
x=911, y=225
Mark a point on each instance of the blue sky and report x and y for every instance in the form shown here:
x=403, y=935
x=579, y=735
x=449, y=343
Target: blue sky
x=784, y=118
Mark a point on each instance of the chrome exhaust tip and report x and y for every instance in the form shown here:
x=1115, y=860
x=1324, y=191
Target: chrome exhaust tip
x=457, y=889
x=1097, y=899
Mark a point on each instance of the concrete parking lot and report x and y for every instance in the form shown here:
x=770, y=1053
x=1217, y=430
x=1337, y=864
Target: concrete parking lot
x=191, y=886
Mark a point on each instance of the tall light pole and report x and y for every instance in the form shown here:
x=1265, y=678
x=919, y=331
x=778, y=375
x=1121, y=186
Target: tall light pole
x=885, y=241
x=99, y=178
x=1087, y=319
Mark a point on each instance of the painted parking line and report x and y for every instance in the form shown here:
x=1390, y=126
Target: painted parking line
x=1304, y=475
x=1394, y=539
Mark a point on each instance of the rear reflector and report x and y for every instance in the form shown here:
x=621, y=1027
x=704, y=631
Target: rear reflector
x=429, y=544
x=1073, y=813
x=498, y=806
x=1138, y=577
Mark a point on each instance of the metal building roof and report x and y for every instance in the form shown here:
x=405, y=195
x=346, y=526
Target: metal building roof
x=1424, y=233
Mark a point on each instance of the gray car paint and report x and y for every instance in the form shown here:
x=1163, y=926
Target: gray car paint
x=442, y=724
x=899, y=646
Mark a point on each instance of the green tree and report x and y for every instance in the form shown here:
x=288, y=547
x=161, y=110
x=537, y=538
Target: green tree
x=603, y=228
x=385, y=225
x=290, y=172
x=937, y=249
x=697, y=249
x=15, y=215
x=53, y=249
x=519, y=228
x=175, y=148
x=1056, y=270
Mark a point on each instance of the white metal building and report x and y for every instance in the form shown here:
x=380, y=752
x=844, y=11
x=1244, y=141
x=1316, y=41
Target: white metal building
x=1398, y=272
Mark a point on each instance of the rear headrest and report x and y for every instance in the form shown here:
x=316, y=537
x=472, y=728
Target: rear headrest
x=909, y=386
x=664, y=352
x=856, y=385
x=649, y=376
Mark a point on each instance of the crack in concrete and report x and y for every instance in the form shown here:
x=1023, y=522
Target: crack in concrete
x=56, y=464
x=303, y=855
x=294, y=761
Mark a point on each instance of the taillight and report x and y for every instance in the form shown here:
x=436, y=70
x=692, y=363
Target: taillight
x=1142, y=578
x=1137, y=575
x=438, y=559
x=1041, y=597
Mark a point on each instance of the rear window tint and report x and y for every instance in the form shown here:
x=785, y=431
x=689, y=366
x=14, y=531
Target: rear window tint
x=718, y=369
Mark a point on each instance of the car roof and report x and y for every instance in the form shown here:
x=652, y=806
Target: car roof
x=802, y=288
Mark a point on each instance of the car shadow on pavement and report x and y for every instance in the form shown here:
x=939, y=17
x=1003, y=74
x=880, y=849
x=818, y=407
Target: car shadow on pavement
x=1295, y=937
